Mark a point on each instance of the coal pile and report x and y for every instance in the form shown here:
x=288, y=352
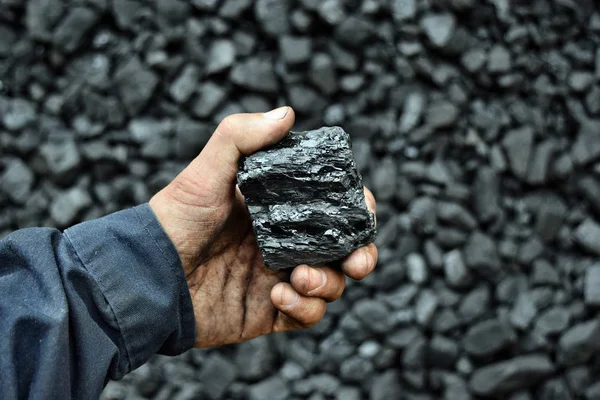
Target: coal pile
x=475, y=123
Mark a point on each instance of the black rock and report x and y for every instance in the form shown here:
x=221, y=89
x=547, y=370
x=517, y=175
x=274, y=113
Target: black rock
x=255, y=359
x=425, y=307
x=61, y=158
x=580, y=343
x=144, y=130
x=190, y=138
x=518, y=145
x=126, y=11
x=475, y=304
x=442, y=352
x=273, y=388
x=555, y=389
x=348, y=393
x=474, y=59
x=385, y=386
x=256, y=73
x=553, y=321
x=354, y=31
x=67, y=206
x=587, y=145
x=306, y=100
x=592, y=285
x=403, y=9
x=323, y=384
x=499, y=60
x=588, y=236
x=445, y=321
x=206, y=5
x=322, y=73
x=481, y=255
x=439, y=28
x=486, y=194
x=355, y=369
x=383, y=179
x=135, y=83
x=374, y=315
x=530, y=250
x=306, y=199
x=234, y=8
x=331, y=11
x=523, y=312
x=540, y=162
x=216, y=375
x=507, y=376
x=441, y=114
x=590, y=188
x=412, y=111
x=579, y=378
x=592, y=100
x=580, y=81
x=295, y=50
x=221, y=56
x=488, y=337
x=172, y=12
x=72, y=30
x=544, y=274
x=17, y=181
x=273, y=16
x=423, y=215
x=19, y=114
x=593, y=392
x=456, y=215
x=550, y=216
x=209, y=98
x=185, y=84
x=433, y=254
x=413, y=356
x=42, y=16
x=455, y=270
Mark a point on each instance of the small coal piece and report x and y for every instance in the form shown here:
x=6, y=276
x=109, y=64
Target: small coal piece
x=306, y=199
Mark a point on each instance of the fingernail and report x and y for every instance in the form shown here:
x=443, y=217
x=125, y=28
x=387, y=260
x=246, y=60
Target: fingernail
x=278, y=113
x=289, y=297
x=317, y=277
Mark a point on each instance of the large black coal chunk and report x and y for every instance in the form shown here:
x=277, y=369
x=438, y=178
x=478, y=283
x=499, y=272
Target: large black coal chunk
x=306, y=199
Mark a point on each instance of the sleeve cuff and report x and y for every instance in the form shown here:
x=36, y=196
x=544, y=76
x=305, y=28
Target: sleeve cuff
x=139, y=271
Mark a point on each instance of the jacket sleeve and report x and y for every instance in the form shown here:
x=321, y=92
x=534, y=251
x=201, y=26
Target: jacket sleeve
x=89, y=304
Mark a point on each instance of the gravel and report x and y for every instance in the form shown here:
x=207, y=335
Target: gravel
x=475, y=124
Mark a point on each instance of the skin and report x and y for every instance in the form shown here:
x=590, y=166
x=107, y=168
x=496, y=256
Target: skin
x=235, y=297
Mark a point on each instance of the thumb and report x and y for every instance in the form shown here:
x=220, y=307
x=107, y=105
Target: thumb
x=237, y=135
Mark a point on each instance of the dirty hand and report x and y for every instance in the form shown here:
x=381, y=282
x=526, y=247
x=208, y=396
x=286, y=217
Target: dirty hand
x=235, y=297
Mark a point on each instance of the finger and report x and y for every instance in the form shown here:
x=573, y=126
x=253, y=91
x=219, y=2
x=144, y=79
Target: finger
x=371, y=203
x=361, y=262
x=295, y=311
x=236, y=136
x=324, y=282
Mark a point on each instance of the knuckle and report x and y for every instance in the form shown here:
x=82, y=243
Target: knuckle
x=341, y=287
x=301, y=278
x=226, y=127
x=315, y=315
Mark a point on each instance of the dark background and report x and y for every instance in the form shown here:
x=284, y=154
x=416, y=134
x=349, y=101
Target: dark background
x=475, y=123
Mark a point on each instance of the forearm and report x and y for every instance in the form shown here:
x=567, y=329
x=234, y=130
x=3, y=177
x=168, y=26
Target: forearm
x=90, y=304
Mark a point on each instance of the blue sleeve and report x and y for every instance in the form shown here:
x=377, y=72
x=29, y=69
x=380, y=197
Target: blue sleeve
x=89, y=304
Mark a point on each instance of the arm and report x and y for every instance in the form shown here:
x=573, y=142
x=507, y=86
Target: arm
x=89, y=304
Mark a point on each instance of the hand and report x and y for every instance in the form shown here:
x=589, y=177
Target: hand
x=235, y=296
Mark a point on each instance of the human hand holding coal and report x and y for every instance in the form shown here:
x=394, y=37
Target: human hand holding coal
x=235, y=296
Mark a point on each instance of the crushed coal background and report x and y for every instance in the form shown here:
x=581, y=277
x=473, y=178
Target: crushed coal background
x=475, y=123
